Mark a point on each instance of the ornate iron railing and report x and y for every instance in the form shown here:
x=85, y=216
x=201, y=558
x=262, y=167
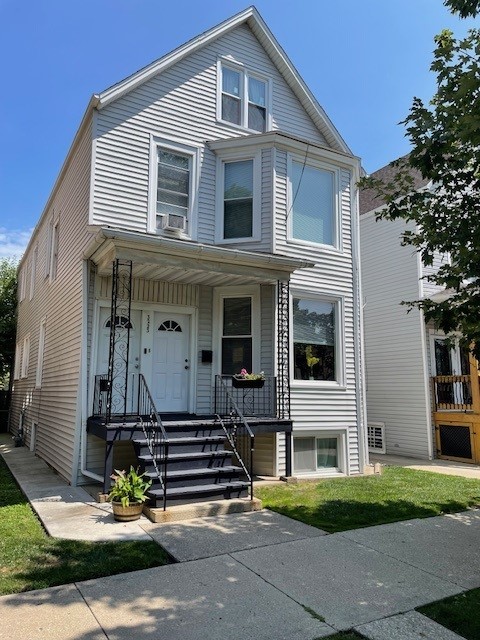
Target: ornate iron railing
x=142, y=410
x=236, y=428
x=452, y=393
x=155, y=434
x=255, y=398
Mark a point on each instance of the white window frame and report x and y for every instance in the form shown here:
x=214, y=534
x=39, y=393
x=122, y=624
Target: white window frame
x=219, y=295
x=52, y=251
x=22, y=283
x=25, y=356
x=18, y=361
x=244, y=75
x=183, y=148
x=33, y=271
x=342, y=456
x=41, y=353
x=239, y=156
x=339, y=345
x=337, y=218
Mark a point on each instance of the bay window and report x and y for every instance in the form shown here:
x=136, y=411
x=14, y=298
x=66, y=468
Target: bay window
x=313, y=204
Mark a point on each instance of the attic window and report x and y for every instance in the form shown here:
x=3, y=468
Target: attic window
x=244, y=99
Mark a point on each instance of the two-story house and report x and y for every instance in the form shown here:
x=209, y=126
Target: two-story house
x=205, y=221
x=423, y=394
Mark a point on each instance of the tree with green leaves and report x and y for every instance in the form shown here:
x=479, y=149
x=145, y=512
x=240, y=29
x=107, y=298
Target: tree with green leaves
x=8, y=317
x=444, y=217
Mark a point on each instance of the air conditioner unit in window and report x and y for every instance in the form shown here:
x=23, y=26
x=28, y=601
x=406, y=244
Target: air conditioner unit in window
x=174, y=222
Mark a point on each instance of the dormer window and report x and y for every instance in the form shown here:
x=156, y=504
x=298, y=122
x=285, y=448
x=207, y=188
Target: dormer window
x=244, y=99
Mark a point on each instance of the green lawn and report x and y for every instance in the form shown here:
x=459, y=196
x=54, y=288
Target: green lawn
x=339, y=504
x=458, y=613
x=29, y=559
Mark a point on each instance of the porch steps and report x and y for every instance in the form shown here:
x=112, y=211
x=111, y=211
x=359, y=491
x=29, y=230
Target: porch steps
x=199, y=464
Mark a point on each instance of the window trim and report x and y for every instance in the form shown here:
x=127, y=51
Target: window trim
x=315, y=163
x=239, y=156
x=340, y=364
x=22, y=283
x=25, y=356
x=340, y=434
x=219, y=294
x=244, y=101
x=183, y=148
x=53, y=247
x=18, y=361
x=33, y=272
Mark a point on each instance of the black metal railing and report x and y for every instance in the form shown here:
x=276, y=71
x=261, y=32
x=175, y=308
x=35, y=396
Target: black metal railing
x=142, y=410
x=155, y=434
x=254, y=398
x=236, y=428
x=452, y=393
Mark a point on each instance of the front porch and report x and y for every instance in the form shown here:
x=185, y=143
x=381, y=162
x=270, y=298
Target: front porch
x=456, y=415
x=162, y=363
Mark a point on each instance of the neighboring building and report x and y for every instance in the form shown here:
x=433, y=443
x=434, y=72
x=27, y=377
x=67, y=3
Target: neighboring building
x=422, y=395
x=211, y=201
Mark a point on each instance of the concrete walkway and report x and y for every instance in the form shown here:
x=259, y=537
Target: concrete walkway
x=447, y=467
x=257, y=575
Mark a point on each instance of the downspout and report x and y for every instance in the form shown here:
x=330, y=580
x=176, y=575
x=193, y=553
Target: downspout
x=358, y=327
x=84, y=379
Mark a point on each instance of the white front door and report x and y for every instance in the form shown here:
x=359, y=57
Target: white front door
x=171, y=362
x=133, y=357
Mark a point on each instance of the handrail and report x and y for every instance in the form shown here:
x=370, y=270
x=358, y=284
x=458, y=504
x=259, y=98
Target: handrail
x=237, y=419
x=452, y=393
x=146, y=407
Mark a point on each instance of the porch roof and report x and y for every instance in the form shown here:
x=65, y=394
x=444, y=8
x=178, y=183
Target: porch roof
x=160, y=258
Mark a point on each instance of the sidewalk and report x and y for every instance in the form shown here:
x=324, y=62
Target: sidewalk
x=257, y=575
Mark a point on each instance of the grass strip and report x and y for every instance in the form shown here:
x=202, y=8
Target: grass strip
x=29, y=559
x=458, y=613
x=340, y=504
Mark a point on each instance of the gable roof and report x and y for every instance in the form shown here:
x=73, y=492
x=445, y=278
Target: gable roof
x=368, y=198
x=252, y=18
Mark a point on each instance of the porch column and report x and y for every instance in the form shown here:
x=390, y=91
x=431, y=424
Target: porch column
x=474, y=383
x=283, y=350
x=120, y=325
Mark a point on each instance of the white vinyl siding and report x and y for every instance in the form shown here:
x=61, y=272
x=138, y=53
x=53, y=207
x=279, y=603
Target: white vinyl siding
x=180, y=103
x=33, y=271
x=396, y=380
x=430, y=288
x=54, y=407
x=323, y=406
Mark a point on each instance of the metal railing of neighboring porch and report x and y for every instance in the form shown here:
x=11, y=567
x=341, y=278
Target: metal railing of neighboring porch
x=235, y=426
x=452, y=393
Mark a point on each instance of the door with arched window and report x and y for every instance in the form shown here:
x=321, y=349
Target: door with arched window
x=133, y=354
x=171, y=363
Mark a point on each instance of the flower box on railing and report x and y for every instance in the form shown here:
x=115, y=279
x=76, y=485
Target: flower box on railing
x=244, y=383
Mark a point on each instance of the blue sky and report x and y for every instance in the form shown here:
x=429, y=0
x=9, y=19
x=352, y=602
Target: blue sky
x=363, y=60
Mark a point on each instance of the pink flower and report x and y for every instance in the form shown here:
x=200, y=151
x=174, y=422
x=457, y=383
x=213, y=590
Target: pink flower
x=243, y=372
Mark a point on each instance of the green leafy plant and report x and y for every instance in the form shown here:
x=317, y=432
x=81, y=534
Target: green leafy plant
x=129, y=487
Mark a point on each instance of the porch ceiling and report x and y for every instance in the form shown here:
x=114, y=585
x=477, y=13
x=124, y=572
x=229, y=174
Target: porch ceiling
x=174, y=260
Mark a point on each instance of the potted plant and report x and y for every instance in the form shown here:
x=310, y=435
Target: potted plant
x=128, y=494
x=311, y=360
x=248, y=380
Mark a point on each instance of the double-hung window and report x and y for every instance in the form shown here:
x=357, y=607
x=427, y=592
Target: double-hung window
x=315, y=340
x=173, y=184
x=237, y=336
x=244, y=99
x=173, y=187
x=238, y=198
x=313, y=203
